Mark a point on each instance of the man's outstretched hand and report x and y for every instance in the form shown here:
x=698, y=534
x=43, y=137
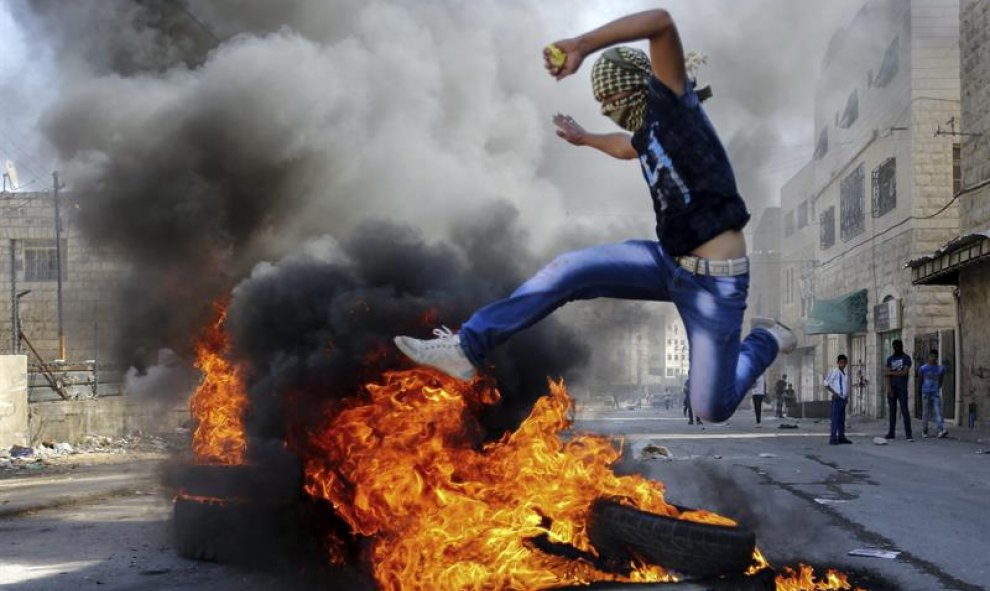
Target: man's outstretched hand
x=569, y=129
x=572, y=61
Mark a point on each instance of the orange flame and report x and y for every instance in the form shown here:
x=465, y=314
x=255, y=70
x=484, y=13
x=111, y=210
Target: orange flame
x=219, y=402
x=804, y=580
x=402, y=468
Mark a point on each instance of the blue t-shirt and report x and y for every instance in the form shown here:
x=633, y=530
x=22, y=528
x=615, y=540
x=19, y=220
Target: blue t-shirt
x=897, y=363
x=930, y=376
x=691, y=181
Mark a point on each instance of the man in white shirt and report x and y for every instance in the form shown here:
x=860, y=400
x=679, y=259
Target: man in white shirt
x=837, y=383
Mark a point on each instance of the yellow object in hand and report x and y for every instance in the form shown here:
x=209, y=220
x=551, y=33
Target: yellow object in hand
x=557, y=57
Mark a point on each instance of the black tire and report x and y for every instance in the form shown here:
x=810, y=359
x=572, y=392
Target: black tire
x=761, y=581
x=621, y=533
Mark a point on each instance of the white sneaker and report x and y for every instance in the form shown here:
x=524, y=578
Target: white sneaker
x=942, y=434
x=786, y=341
x=443, y=353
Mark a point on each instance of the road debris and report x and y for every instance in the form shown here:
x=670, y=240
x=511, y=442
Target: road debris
x=827, y=501
x=654, y=452
x=768, y=455
x=879, y=441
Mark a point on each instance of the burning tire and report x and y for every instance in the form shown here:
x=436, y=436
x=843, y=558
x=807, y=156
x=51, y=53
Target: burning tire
x=621, y=533
x=241, y=514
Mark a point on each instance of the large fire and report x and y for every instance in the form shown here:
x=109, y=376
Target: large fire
x=402, y=466
x=219, y=403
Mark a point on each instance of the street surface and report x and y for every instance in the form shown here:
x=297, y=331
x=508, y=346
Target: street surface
x=928, y=499
x=107, y=527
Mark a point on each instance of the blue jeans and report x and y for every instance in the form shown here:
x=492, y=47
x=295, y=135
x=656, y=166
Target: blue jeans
x=899, y=396
x=931, y=401
x=838, y=419
x=722, y=368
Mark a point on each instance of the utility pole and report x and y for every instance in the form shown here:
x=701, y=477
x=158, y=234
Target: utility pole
x=58, y=265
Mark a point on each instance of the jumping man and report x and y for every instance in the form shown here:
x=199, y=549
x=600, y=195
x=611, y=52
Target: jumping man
x=699, y=262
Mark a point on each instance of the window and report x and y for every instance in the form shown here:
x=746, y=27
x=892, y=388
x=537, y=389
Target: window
x=669, y=357
x=890, y=65
x=851, y=112
x=670, y=372
x=821, y=147
x=851, y=197
x=789, y=224
x=826, y=228
x=884, y=187
x=40, y=260
x=802, y=215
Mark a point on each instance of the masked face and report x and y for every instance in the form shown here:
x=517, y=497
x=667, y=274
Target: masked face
x=627, y=112
x=622, y=72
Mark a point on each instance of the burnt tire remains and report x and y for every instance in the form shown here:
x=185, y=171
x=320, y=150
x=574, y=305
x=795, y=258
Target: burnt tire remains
x=621, y=534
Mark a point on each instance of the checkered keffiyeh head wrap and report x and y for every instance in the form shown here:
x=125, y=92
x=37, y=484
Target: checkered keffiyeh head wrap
x=622, y=70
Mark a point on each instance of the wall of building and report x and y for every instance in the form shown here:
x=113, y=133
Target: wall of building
x=896, y=122
x=90, y=276
x=975, y=60
x=974, y=283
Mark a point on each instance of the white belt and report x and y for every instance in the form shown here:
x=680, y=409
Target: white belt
x=700, y=266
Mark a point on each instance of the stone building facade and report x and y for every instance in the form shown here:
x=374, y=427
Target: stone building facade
x=878, y=189
x=964, y=262
x=28, y=264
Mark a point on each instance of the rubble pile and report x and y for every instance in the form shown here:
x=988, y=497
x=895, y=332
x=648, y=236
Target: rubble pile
x=48, y=453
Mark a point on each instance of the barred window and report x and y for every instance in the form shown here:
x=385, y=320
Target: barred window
x=851, y=197
x=826, y=223
x=40, y=261
x=885, y=187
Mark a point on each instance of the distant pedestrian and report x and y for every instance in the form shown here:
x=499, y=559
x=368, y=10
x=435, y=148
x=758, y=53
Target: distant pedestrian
x=759, y=393
x=932, y=375
x=778, y=391
x=687, y=404
x=896, y=380
x=838, y=384
x=789, y=397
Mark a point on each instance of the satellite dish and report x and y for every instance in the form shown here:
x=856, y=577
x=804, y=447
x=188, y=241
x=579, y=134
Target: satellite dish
x=12, y=175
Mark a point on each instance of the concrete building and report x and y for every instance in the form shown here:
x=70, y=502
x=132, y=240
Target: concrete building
x=28, y=269
x=964, y=263
x=878, y=190
x=677, y=353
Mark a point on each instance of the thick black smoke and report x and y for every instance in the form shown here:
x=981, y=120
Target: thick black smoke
x=322, y=322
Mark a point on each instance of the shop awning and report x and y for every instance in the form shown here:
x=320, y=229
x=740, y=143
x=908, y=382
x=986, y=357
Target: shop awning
x=942, y=266
x=843, y=315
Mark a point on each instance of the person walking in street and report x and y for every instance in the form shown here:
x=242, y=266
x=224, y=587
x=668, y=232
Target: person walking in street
x=699, y=259
x=759, y=393
x=932, y=375
x=896, y=373
x=838, y=384
x=789, y=398
x=687, y=404
x=779, y=390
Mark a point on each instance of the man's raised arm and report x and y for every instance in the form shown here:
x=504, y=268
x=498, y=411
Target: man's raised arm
x=656, y=26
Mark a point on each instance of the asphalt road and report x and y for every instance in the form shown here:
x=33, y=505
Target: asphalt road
x=108, y=527
x=813, y=502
